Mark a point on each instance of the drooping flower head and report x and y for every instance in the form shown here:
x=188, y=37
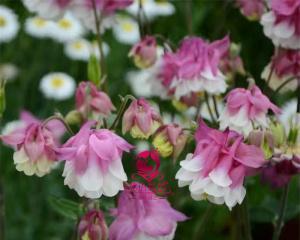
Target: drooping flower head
x=93, y=162
x=142, y=215
x=194, y=67
x=244, y=108
x=169, y=140
x=92, y=226
x=92, y=102
x=253, y=9
x=282, y=23
x=144, y=53
x=217, y=168
x=34, y=144
x=141, y=119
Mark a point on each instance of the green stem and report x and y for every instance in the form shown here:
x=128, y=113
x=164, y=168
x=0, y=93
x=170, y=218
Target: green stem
x=208, y=107
x=61, y=119
x=216, y=106
x=283, y=205
x=189, y=15
x=243, y=221
x=283, y=84
x=199, y=229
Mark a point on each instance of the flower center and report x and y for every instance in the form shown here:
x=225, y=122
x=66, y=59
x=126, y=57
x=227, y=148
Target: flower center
x=39, y=22
x=127, y=27
x=77, y=45
x=2, y=21
x=65, y=24
x=57, y=82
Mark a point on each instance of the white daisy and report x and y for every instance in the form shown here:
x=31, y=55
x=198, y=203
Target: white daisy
x=59, y=86
x=9, y=24
x=38, y=27
x=66, y=29
x=126, y=30
x=8, y=71
x=78, y=49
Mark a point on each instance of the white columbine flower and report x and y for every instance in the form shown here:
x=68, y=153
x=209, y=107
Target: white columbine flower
x=126, y=30
x=59, y=86
x=66, y=29
x=38, y=27
x=9, y=24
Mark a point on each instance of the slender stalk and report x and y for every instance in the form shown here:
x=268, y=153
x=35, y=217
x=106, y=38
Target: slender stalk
x=62, y=120
x=208, y=107
x=283, y=84
x=298, y=95
x=216, y=106
x=283, y=205
x=189, y=15
x=98, y=21
x=243, y=221
x=200, y=226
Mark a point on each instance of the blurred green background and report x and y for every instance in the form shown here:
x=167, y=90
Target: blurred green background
x=29, y=213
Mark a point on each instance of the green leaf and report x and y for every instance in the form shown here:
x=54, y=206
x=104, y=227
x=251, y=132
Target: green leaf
x=94, y=71
x=65, y=207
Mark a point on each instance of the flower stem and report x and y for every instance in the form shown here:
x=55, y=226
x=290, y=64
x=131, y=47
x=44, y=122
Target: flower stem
x=243, y=221
x=284, y=84
x=216, y=106
x=280, y=221
x=189, y=15
x=60, y=118
x=209, y=108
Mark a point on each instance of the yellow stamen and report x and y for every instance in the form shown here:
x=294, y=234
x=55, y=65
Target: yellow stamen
x=64, y=23
x=127, y=27
x=39, y=22
x=2, y=21
x=57, y=82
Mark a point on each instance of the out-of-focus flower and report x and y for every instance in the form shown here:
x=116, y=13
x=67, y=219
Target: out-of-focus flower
x=34, y=143
x=195, y=67
x=66, y=29
x=245, y=108
x=144, y=53
x=157, y=220
x=38, y=27
x=93, y=163
x=286, y=65
x=92, y=226
x=281, y=24
x=141, y=119
x=9, y=24
x=169, y=140
x=253, y=9
x=217, y=168
x=10, y=127
x=91, y=102
x=52, y=9
x=57, y=85
x=95, y=49
x=152, y=8
x=126, y=30
x=8, y=71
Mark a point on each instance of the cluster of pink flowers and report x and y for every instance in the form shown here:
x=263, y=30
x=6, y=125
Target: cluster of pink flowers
x=217, y=168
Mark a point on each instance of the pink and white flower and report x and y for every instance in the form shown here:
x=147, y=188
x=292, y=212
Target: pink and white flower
x=141, y=119
x=194, y=67
x=281, y=24
x=217, y=168
x=246, y=109
x=91, y=102
x=94, y=162
x=142, y=215
x=34, y=144
x=253, y=9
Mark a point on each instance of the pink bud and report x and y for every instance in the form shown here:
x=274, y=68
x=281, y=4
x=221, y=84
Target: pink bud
x=144, y=52
x=252, y=9
x=91, y=102
x=92, y=226
x=141, y=119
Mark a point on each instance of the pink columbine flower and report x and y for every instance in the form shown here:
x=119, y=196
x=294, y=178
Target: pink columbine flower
x=34, y=144
x=141, y=119
x=94, y=162
x=92, y=226
x=144, y=53
x=142, y=215
x=169, y=140
x=286, y=65
x=253, y=9
x=92, y=103
x=217, y=168
x=194, y=67
x=245, y=108
x=281, y=24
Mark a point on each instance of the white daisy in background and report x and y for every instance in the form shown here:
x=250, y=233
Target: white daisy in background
x=140, y=83
x=38, y=27
x=78, y=49
x=8, y=71
x=152, y=8
x=9, y=24
x=95, y=49
x=126, y=30
x=59, y=86
x=66, y=29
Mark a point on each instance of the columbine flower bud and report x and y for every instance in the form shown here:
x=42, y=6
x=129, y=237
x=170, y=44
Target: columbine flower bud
x=91, y=102
x=92, y=226
x=74, y=117
x=144, y=52
x=141, y=119
x=169, y=139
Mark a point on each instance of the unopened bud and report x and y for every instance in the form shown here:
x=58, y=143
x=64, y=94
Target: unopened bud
x=74, y=117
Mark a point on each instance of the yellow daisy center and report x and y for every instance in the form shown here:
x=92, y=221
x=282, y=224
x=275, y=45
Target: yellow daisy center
x=127, y=27
x=57, y=82
x=39, y=22
x=2, y=21
x=64, y=23
x=77, y=45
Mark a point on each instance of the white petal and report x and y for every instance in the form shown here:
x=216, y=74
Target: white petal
x=220, y=177
x=116, y=168
x=92, y=179
x=111, y=185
